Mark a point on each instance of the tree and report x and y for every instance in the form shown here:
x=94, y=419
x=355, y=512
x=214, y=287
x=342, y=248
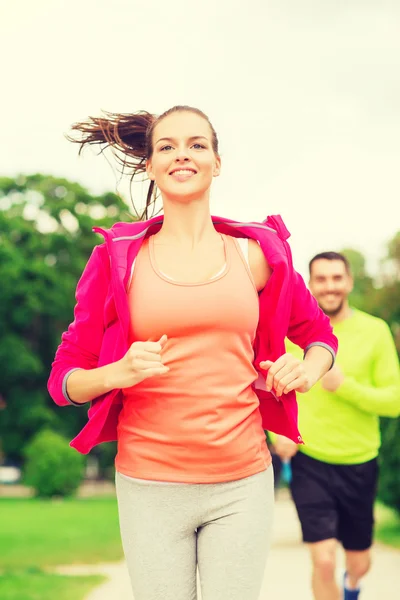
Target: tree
x=387, y=306
x=363, y=283
x=45, y=240
x=383, y=302
x=52, y=468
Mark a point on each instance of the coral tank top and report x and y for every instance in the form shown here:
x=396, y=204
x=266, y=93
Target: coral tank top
x=200, y=422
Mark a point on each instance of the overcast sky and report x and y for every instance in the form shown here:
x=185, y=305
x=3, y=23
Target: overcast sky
x=305, y=97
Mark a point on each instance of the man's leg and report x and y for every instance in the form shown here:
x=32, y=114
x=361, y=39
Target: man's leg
x=357, y=486
x=323, y=557
x=358, y=564
x=315, y=503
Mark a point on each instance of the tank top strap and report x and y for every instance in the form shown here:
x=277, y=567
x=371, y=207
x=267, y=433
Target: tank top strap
x=240, y=258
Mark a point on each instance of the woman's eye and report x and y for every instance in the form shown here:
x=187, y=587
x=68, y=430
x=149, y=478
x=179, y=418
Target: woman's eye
x=199, y=146
x=165, y=148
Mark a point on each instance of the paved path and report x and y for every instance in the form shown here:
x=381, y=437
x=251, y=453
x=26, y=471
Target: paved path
x=287, y=576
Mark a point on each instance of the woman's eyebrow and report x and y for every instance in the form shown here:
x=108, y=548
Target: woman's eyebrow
x=193, y=137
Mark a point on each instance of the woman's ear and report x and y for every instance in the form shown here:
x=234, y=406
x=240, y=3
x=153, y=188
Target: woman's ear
x=149, y=170
x=217, y=167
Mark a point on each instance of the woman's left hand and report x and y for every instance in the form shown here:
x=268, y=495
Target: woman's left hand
x=286, y=374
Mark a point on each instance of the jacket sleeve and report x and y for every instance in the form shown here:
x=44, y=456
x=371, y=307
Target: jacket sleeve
x=382, y=396
x=81, y=343
x=308, y=325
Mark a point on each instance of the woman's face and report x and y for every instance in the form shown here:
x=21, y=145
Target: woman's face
x=183, y=162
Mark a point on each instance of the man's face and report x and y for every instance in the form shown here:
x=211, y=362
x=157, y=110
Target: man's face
x=330, y=284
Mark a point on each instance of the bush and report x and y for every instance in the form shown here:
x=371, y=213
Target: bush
x=52, y=467
x=389, y=459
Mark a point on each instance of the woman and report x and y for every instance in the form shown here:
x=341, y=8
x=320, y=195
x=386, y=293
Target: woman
x=178, y=343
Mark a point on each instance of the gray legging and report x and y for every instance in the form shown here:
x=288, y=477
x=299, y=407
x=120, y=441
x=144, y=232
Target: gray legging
x=168, y=529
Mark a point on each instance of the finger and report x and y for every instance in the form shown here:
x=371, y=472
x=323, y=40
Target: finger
x=265, y=364
x=153, y=372
x=282, y=387
x=152, y=356
x=144, y=365
x=276, y=373
x=287, y=376
x=163, y=340
x=143, y=355
x=148, y=346
x=295, y=384
x=281, y=368
x=284, y=376
x=269, y=366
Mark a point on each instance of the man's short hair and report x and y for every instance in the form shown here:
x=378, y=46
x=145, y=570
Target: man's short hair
x=330, y=256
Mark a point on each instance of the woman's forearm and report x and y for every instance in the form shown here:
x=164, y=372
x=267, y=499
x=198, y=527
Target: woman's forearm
x=84, y=385
x=318, y=361
x=141, y=361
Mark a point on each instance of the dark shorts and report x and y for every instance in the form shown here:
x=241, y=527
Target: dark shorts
x=335, y=501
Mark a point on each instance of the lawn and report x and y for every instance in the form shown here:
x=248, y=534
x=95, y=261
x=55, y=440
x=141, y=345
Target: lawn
x=45, y=533
x=39, y=534
x=36, y=535
x=387, y=526
x=30, y=585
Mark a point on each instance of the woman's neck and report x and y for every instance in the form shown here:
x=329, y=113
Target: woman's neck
x=187, y=224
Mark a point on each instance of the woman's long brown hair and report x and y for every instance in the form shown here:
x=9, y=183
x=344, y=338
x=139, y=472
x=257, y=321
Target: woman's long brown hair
x=130, y=136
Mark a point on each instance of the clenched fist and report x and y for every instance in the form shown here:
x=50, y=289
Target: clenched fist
x=143, y=360
x=333, y=379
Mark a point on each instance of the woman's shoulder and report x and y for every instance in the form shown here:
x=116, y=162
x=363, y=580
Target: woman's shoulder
x=127, y=228
x=258, y=264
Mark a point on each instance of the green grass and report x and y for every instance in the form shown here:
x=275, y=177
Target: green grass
x=387, y=526
x=45, y=533
x=30, y=585
x=40, y=534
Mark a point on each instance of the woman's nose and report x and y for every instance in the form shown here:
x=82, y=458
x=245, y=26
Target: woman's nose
x=182, y=154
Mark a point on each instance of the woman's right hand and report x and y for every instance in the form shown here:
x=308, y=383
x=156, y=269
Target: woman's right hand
x=142, y=360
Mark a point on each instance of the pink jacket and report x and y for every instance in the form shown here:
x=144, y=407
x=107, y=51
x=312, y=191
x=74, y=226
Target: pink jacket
x=99, y=333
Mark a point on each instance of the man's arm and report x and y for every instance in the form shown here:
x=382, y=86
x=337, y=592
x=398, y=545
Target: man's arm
x=382, y=396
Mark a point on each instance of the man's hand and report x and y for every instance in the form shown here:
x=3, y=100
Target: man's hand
x=284, y=447
x=333, y=379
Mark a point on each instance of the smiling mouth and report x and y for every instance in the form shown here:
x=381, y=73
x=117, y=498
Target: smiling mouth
x=183, y=172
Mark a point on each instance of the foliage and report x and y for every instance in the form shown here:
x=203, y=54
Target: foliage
x=363, y=283
x=387, y=530
x=52, y=467
x=389, y=479
x=383, y=301
x=45, y=240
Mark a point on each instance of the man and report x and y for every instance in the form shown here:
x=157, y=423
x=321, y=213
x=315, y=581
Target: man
x=334, y=475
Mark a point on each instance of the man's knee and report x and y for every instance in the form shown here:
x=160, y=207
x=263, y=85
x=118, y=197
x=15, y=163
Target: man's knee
x=323, y=555
x=358, y=563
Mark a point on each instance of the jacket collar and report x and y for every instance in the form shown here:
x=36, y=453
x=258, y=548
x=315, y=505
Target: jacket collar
x=139, y=229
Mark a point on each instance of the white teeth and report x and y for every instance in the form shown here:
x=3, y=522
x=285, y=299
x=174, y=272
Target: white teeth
x=183, y=172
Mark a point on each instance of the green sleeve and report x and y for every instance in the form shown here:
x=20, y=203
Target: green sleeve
x=382, y=396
